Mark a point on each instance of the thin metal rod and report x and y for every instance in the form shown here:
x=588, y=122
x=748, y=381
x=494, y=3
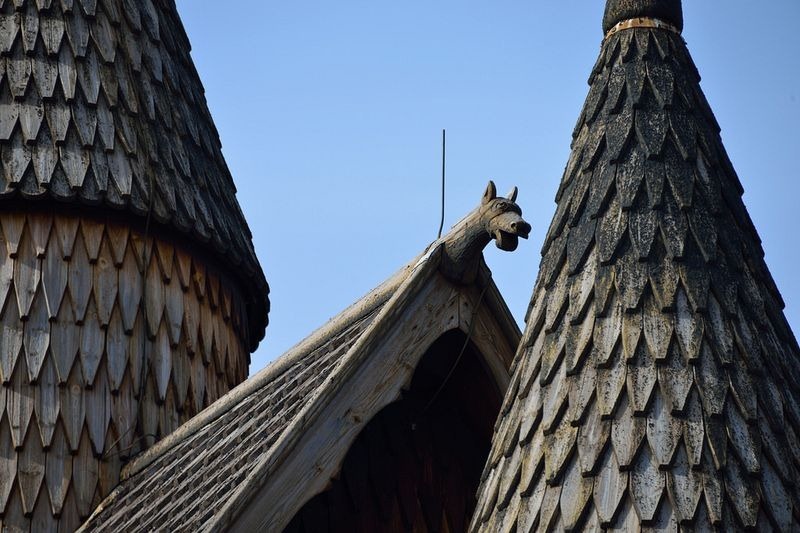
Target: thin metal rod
x=444, y=154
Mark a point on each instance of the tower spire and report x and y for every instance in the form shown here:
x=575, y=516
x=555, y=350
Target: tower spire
x=658, y=381
x=130, y=292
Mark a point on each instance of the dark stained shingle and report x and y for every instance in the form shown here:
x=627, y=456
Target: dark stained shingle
x=101, y=109
x=659, y=382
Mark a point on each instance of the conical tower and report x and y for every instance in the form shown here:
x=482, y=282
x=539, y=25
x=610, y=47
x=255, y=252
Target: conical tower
x=130, y=293
x=658, y=382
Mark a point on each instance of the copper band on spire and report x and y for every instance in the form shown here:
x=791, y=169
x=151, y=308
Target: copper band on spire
x=642, y=22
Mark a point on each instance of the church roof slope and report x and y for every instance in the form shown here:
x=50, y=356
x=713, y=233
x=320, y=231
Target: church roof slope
x=102, y=111
x=658, y=381
x=183, y=481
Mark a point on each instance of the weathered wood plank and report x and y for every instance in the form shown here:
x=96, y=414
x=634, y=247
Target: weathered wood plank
x=609, y=487
x=80, y=280
x=47, y=402
x=104, y=286
x=66, y=229
x=575, y=493
x=117, y=240
x=14, y=519
x=627, y=433
x=64, y=340
x=31, y=114
x=92, y=344
x=131, y=287
x=27, y=274
x=10, y=340
x=183, y=262
x=191, y=321
x=116, y=350
x=73, y=409
x=36, y=335
x=8, y=462
x=98, y=411
x=19, y=403
x=54, y=277
x=40, y=226
x=174, y=311
x=162, y=362
x=206, y=332
x=663, y=431
x=85, y=474
x=6, y=276
x=646, y=485
x=154, y=299
x=30, y=472
x=92, y=232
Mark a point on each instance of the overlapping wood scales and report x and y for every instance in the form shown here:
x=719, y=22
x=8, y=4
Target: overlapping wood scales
x=80, y=311
x=186, y=484
x=659, y=383
x=100, y=105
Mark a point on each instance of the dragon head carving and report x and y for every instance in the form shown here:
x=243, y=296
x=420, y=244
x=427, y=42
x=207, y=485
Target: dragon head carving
x=496, y=218
x=502, y=218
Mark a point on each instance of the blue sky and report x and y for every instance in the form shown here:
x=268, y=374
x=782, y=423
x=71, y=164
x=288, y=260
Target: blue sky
x=330, y=115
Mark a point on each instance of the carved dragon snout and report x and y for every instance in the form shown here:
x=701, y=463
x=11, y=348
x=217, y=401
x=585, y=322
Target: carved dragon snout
x=496, y=218
x=503, y=218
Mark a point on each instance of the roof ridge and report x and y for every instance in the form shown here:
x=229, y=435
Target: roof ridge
x=362, y=307
x=422, y=269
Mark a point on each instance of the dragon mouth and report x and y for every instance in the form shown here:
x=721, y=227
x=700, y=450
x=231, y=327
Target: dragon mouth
x=506, y=241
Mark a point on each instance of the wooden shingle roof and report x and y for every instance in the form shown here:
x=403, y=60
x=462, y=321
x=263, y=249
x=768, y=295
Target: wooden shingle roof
x=102, y=111
x=186, y=479
x=282, y=435
x=658, y=381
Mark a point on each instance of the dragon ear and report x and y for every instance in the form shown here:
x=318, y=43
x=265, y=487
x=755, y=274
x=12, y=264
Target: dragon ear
x=512, y=196
x=490, y=193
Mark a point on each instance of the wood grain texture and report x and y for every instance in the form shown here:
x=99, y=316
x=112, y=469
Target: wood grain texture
x=682, y=398
x=72, y=369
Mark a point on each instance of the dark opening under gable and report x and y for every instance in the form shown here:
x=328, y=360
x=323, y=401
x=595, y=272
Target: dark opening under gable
x=416, y=465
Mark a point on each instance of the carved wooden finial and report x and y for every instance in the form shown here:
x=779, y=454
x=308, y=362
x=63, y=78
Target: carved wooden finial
x=495, y=218
x=669, y=11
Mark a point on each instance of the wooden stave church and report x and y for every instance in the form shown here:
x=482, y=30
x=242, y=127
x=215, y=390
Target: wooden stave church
x=494, y=512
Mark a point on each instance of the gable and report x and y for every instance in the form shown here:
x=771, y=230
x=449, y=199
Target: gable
x=282, y=435
x=416, y=465
x=380, y=366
